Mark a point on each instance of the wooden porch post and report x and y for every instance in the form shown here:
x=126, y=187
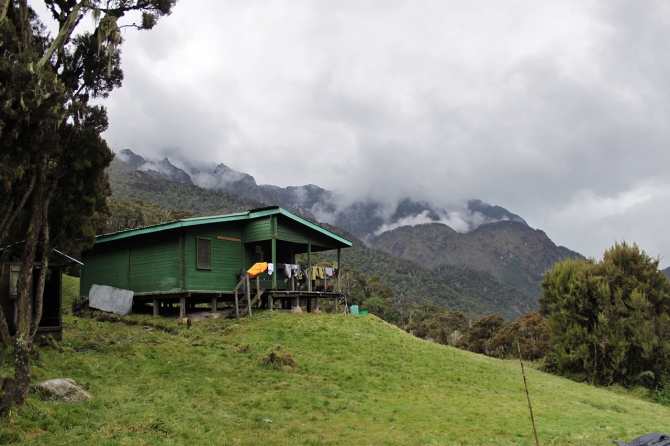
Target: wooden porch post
x=258, y=291
x=155, y=307
x=273, y=257
x=309, y=267
x=274, y=262
x=215, y=303
x=249, y=295
x=237, y=306
x=182, y=307
x=339, y=268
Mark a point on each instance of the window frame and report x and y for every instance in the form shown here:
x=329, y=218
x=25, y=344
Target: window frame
x=197, y=253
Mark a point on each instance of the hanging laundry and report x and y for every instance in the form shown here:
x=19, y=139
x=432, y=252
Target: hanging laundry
x=271, y=269
x=302, y=274
x=257, y=269
x=291, y=270
x=317, y=273
x=329, y=272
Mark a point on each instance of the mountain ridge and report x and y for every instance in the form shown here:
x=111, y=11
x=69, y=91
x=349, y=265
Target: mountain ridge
x=475, y=293
x=366, y=219
x=510, y=251
x=488, y=269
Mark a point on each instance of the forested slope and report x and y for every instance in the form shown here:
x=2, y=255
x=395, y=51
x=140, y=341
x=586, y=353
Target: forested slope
x=129, y=184
x=474, y=292
x=510, y=251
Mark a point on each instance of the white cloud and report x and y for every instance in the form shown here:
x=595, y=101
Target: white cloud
x=557, y=111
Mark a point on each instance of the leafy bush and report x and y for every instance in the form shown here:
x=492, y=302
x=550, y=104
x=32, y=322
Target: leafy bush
x=661, y=394
x=478, y=338
x=609, y=320
x=382, y=308
x=433, y=323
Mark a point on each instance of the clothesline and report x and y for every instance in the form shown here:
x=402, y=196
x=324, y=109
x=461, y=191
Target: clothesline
x=294, y=271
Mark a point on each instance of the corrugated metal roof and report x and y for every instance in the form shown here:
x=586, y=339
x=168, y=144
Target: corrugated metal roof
x=249, y=215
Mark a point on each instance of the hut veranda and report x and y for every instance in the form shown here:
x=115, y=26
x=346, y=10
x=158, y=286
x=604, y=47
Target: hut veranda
x=205, y=261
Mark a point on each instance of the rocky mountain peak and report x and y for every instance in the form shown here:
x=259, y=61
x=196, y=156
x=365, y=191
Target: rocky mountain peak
x=366, y=219
x=496, y=213
x=133, y=160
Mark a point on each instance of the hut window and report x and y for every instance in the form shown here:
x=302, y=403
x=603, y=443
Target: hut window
x=204, y=253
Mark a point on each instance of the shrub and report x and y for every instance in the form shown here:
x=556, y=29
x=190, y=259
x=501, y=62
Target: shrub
x=492, y=336
x=433, y=323
x=609, y=320
x=382, y=308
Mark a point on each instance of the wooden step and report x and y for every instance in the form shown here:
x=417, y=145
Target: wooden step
x=254, y=301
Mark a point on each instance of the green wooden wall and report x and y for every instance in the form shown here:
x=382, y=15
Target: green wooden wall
x=291, y=231
x=256, y=230
x=105, y=264
x=226, y=258
x=142, y=264
x=155, y=263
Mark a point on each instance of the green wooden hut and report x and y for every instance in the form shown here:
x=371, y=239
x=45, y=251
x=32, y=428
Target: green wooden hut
x=198, y=260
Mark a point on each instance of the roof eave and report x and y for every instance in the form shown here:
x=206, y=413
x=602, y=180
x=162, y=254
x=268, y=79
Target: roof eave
x=249, y=215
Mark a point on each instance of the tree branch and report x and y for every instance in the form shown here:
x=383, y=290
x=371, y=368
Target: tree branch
x=7, y=223
x=4, y=6
x=64, y=32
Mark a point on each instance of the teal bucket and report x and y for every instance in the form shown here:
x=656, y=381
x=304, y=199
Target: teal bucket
x=354, y=309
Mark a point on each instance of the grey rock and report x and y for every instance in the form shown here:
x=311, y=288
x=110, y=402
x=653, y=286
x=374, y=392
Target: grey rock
x=63, y=390
x=111, y=299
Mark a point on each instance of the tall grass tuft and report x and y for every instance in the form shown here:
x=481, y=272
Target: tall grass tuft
x=279, y=359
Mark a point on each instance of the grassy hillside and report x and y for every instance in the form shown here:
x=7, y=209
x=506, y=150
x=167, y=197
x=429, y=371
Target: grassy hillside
x=358, y=381
x=510, y=251
x=70, y=292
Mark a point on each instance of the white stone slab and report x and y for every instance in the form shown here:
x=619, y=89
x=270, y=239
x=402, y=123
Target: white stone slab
x=110, y=299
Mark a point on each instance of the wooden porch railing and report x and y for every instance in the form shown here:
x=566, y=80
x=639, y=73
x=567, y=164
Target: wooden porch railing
x=250, y=302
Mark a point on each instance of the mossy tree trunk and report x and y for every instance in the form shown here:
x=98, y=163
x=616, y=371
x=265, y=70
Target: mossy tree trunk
x=53, y=187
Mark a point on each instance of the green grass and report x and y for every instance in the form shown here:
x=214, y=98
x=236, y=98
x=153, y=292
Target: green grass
x=358, y=381
x=70, y=291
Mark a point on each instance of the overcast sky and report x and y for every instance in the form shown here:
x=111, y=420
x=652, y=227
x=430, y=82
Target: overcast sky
x=557, y=111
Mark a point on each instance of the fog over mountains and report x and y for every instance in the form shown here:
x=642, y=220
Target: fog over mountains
x=493, y=264
x=366, y=219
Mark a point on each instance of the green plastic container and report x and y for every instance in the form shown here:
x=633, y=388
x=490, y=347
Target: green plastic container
x=362, y=312
x=353, y=309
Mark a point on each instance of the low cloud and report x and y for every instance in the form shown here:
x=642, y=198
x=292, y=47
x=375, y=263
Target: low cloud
x=529, y=105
